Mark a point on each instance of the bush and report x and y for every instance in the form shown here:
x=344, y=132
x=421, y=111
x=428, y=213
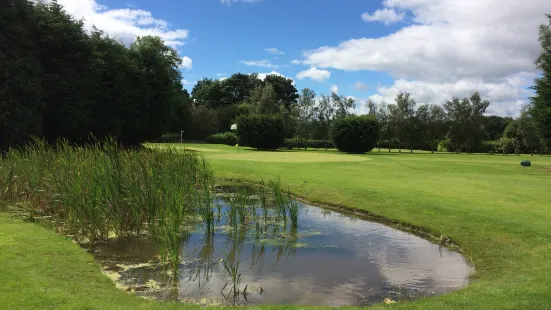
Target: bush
x=228, y=138
x=264, y=132
x=169, y=138
x=298, y=143
x=355, y=134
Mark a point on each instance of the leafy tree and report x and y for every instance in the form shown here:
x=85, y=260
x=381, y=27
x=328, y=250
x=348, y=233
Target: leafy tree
x=466, y=121
x=21, y=104
x=343, y=106
x=527, y=129
x=402, y=119
x=306, y=111
x=67, y=59
x=371, y=107
x=355, y=134
x=286, y=92
x=263, y=99
x=495, y=125
x=236, y=88
x=159, y=78
x=541, y=101
x=436, y=126
x=209, y=93
x=385, y=130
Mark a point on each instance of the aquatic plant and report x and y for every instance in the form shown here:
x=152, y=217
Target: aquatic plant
x=232, y=268
x=100, y=190
x=292, y=209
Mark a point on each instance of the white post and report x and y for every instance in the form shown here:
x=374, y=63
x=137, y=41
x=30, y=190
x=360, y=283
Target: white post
x=182, y=137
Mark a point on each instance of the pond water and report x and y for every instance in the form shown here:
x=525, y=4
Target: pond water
x=330, y=258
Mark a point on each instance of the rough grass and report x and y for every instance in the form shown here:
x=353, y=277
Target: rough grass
x=497, y=211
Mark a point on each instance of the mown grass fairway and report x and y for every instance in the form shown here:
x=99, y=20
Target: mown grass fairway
x=497, y=211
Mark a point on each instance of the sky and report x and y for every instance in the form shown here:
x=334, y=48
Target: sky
x=367, y=49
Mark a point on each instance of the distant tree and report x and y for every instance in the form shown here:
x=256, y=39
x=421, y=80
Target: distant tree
x=209, y=93
x=263, y=99
x=343, y=106
x=541, y=102
x=436, y=126
x=466, y=121
x=286, y=93
x=383, y=117
x=402, y=119
x=306, y=112
x=237, y=88
x=495, y=125
x=371, y=107
x=526, y=132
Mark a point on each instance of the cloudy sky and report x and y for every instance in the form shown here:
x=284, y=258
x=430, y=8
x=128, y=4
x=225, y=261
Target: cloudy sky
x=434, y=49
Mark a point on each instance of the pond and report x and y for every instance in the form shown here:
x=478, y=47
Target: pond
x=329, y=258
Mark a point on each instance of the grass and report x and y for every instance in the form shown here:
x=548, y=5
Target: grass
x=498, y=212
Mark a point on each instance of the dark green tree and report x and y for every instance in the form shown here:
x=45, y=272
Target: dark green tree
x=21, y=104
x=286, y=93
x=541, y=101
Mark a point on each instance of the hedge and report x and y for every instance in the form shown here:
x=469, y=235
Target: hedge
x=264, y=132
x=355, y=134
x=228, y=138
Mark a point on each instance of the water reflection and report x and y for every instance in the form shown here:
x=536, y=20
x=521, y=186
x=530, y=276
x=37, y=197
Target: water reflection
x=330, y=258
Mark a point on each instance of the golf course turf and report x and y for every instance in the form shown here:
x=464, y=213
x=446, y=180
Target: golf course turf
x=497, y=211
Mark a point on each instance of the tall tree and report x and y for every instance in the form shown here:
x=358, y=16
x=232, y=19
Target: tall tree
x=236, y=88
x=371, y=107
x=159, y=78
x=383, y=116
x=21, y=103
x=541, y=101
x=306, y=112
x=495, y=125
x=209, y=93
x=466, y=121
x=285, y=90
x=67, y=59
x=402, y=119
x=264, y=100
x=343, y=106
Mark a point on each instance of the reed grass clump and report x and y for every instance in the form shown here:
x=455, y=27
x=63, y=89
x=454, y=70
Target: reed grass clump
x=99, y=190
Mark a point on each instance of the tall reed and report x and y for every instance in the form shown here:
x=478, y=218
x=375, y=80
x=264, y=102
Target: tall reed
x=98, y=191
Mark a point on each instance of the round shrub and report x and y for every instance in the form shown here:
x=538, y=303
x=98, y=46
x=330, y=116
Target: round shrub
x=355, y=134
x=228, y=138
x=263, y=132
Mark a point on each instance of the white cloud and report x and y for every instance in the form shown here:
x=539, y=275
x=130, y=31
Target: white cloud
x=222, y=78
x=186, y=82
x=386, y=15
x=273, y=51
x=506, y=97
x=230, y=2
x=124, y=24
x=258, y=63
x=187, y=63
x=221, y=74
x=452, y=43
x=361, y=86
x=296, y=62
x=335, y=89
x=315, y=74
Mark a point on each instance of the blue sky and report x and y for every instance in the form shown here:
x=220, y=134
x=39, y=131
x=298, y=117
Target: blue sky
x=222, y=36
x=368, y=49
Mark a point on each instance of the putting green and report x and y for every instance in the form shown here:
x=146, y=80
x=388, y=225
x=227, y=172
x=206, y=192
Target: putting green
x=291, y=157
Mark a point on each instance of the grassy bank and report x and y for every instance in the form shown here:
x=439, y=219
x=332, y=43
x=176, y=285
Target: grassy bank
x=497, y=211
